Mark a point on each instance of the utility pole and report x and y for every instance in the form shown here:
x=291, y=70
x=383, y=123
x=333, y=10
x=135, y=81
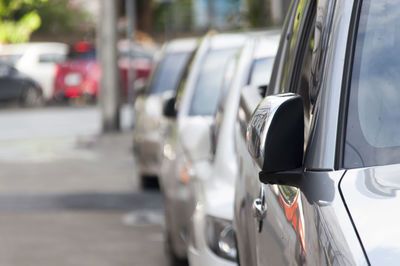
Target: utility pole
x=130, y=8
x=110, y=94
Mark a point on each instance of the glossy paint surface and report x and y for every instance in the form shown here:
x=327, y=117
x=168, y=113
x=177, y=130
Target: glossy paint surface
x=372, y=196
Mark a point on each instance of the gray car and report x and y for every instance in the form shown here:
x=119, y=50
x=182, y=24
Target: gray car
x=319, y=156
x=164, y=79
x=186, y=148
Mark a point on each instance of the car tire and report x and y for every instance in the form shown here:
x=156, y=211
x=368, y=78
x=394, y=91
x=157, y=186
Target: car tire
x=173, y=259
x=32, y=97
x=149, y=182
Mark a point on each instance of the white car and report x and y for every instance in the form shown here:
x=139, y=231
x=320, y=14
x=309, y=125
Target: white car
x=189, y=115
x=212, y=238
x=36, y=60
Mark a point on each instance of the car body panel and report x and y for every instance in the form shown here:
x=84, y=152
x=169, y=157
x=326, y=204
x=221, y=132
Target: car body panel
x=371, y=195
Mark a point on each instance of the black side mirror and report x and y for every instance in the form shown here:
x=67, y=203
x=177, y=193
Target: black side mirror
x=276, y=135
x=169, y=109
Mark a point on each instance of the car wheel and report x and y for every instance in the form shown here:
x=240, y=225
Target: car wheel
x=32, y=97
x=149, y=182
x=173, y=259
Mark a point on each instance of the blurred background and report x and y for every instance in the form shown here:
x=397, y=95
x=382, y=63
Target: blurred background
x=69, y=69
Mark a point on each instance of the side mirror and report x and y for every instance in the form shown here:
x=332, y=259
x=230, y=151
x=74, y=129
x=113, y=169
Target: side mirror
x=275, y=135
x=169, y=109
x=262, y=89
x=195, y=136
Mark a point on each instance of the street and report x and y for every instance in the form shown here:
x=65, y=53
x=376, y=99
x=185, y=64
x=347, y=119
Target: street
x=69, y=196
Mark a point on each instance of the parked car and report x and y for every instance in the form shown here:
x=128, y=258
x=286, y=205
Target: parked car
x=139, y=57
x=79, y=75
x=18, y=87
x=36, y=60
x=163, y=82
x=212, y=240
x=189, y=116
x=318, y=172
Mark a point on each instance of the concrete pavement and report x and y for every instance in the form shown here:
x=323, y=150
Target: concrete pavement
x=69, y=196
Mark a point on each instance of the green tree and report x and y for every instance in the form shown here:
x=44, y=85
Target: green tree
x=16, y=26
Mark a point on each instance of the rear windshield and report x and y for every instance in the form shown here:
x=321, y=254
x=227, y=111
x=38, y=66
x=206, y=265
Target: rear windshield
x=87, y=55
x=209, y=82
x=169, y=71
x=373, y=124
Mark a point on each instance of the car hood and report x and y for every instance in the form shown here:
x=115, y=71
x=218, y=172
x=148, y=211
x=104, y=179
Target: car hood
x=373, y=200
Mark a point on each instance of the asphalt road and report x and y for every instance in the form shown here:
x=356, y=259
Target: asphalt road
x=69, y=196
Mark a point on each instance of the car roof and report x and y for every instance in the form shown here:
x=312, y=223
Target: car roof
x=267, y=45
x=226, y=40
x=182, y=45
x=22, y=47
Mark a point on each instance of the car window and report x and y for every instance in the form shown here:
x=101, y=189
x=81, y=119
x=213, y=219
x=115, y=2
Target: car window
x=209, y=82
x=261, y=71
x=10, y=59
x=51, y=58
x=169, y=70
x=373, y=128
x=86, y=55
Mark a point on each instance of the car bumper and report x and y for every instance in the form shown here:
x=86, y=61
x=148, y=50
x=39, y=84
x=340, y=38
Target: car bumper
x=178, y=212
x=148, y=156
x=199, y=254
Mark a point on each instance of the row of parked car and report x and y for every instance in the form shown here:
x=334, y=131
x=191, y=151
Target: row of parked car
x=35, y=73
x=279, y=147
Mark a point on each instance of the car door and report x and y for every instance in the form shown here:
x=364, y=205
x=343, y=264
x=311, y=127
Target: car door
x=275, y=236
x=11, y=84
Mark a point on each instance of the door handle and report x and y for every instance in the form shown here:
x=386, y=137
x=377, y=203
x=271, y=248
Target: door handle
x=259, y=210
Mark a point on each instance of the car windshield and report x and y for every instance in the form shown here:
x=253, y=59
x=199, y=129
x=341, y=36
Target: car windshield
x=261, y=71
x=209, y=82
x=169, y=71
x=10, y=59
x=373, y=128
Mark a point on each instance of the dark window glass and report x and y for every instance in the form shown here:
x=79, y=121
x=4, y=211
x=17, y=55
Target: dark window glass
x=169, y=71
x=10, y=59
x=88, y=55
x=261, y=71
x=373, y=128
x=51, y=58
x=209, y=82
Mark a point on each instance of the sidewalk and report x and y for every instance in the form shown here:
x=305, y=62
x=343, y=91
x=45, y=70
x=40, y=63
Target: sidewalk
x=74, y=199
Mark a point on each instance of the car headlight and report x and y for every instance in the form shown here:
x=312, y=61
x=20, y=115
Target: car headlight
x=221, y=237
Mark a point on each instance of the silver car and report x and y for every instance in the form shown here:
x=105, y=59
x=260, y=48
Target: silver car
x=212, y=240
x=319, y=158
x=164, y=79
x=186, y=150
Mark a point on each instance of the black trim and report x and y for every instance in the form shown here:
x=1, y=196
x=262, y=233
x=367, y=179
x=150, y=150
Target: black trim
x=345, y=95
x=297, y=66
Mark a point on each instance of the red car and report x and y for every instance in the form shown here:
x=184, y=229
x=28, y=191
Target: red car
x=80, y=75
